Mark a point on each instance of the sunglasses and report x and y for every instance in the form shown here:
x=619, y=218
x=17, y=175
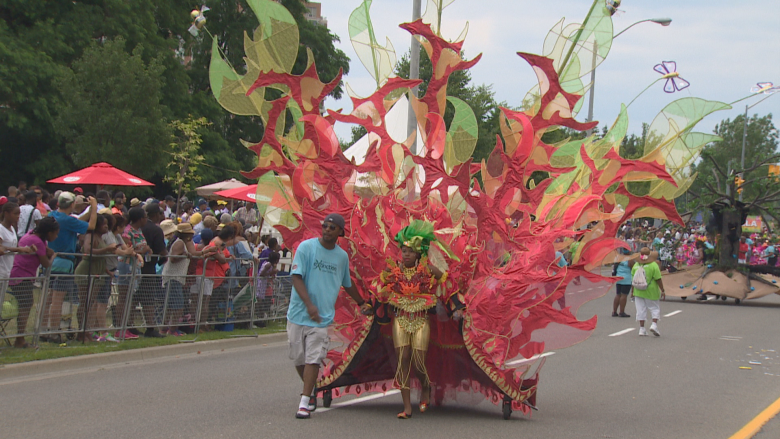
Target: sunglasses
x=327, y=226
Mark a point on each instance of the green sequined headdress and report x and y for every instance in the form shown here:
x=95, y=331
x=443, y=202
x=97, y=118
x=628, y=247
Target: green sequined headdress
x=419, y=236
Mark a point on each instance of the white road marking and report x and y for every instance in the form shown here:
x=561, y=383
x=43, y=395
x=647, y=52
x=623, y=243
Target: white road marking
x=625, y=331
x=730, y=338
x=525, y=360
x=358, y=400
x=673, y=313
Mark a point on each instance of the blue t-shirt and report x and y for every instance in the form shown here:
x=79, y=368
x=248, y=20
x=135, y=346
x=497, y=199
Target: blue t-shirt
x=625, y=271
x=70, y=229
x=324, y=272
x=561, y=260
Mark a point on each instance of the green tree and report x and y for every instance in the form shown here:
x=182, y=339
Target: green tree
x=720, y=164
x=718, y=187
x=182, y=169
x=40, y=40
x=112, y=111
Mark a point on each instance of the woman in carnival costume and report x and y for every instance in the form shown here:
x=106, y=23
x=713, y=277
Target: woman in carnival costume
x=412, y=290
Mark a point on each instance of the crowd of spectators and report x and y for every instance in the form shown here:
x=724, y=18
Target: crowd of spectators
x=93, y=244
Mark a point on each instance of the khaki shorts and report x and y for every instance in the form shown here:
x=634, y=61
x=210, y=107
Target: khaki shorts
x=308, y=345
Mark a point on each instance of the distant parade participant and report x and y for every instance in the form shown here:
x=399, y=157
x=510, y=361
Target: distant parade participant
x=648, y=290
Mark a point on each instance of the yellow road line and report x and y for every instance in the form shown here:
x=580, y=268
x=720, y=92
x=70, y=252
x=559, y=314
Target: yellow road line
x=754, y=426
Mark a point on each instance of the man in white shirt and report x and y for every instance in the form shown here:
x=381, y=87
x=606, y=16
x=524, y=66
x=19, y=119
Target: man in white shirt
x=169, y=204
x=29, y=215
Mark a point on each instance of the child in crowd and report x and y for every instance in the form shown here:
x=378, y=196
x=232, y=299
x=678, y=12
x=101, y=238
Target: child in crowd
x=743, y=250
x=264, y=285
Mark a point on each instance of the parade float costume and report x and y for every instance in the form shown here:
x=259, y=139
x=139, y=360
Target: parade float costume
x=504, y=216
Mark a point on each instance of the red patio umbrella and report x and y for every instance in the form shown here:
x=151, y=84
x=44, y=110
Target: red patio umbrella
x=101, y=174
x=244, y=193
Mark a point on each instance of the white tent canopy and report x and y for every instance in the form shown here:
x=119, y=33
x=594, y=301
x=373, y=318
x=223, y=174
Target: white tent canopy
x=209, y=189
x=397, y=120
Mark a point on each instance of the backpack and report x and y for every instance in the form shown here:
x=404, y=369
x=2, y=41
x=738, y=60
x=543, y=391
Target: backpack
x=639, y=280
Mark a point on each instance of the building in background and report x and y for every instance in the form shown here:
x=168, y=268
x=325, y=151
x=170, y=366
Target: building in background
x=314, y=13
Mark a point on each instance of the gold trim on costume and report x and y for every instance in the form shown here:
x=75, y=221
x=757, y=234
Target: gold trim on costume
x=413, y=303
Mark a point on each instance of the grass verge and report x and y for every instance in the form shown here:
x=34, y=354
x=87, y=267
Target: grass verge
x=47, y=351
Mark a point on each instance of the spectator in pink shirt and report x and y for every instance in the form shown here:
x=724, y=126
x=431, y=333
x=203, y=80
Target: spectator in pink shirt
x=25, y=269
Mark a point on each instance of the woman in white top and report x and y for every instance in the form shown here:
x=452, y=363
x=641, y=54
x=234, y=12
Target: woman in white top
x=9, y=216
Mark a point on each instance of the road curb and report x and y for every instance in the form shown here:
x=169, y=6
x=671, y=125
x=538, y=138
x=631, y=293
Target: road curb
x=11, y=371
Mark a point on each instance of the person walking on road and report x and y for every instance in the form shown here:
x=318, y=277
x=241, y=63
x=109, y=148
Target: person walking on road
x=319, y=270
x=648, y=290
x=622, y=286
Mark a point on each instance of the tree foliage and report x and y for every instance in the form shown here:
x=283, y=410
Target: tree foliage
x=185, y=157
x=111, y=109
x=721, y=162
x=45, y=46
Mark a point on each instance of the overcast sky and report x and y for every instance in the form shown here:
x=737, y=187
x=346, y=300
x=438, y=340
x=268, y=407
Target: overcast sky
x=721, y=47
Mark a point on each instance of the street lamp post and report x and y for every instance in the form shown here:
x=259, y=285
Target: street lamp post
x=414, y=73
x=662, y=21
x=744, y=139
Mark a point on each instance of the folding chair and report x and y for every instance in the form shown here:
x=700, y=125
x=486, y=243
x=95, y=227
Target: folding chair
x=10, y=312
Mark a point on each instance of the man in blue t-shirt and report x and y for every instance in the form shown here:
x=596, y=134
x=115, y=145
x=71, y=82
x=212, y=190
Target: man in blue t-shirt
x=64, y=246
x=320, y=268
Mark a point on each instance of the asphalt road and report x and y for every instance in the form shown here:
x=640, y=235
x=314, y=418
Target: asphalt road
x=685, y=384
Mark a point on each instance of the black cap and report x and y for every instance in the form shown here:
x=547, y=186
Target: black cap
x=335, y=219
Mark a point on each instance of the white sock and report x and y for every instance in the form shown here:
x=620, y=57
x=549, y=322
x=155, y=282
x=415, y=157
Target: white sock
x=304, y=404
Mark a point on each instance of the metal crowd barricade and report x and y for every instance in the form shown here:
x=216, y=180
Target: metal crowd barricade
x=141, y=301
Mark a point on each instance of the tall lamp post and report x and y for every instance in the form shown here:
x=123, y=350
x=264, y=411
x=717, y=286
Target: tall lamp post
x=744, y=139
x=662, y=21
x=414, y=73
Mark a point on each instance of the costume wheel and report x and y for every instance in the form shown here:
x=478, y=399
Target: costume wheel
x=737, y=301
x=684, y=297
x=506, y=408
x=327, y=398
x=723, y=298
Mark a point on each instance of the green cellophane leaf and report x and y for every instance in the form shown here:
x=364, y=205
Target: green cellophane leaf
x=378, y=60
x=463, y=134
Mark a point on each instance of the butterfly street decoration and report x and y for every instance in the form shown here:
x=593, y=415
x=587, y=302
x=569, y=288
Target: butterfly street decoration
x=766, y=88
x=673, y=80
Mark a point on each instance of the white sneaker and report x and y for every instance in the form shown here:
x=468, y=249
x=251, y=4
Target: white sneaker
x=654, y=330
x=642, y=331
